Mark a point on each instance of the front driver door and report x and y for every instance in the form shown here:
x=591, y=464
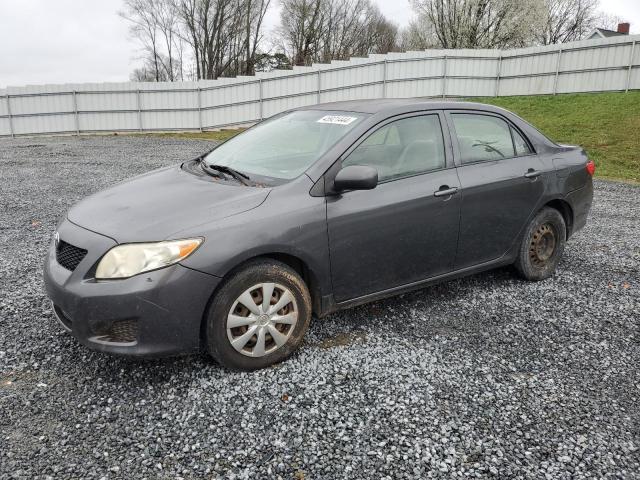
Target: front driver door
x=402, y=231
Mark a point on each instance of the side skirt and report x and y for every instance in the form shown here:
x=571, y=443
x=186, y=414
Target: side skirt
x=329, y=305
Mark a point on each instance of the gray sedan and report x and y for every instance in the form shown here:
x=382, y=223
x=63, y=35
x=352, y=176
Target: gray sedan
x=314, y=210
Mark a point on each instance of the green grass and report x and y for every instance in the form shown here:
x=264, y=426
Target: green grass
x=218, y=135
x=607, y=125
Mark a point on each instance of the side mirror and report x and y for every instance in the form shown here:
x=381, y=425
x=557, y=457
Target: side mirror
x=356, y=177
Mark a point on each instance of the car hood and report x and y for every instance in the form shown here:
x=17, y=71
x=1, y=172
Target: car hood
x=155, y=205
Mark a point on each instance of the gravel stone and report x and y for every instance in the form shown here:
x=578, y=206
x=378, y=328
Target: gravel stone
x=486, y=376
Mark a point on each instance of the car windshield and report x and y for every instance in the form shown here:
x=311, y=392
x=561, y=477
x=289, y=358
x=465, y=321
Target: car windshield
x=283, y=147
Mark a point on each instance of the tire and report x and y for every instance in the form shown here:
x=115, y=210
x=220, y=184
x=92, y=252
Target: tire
x=275, y=335
x=542, y=245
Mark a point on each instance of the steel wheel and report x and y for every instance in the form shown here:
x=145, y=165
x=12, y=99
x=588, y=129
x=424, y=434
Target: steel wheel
x=262, y=319
x=543, y=244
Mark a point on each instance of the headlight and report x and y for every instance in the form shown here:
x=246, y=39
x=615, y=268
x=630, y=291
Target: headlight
x=131, y=259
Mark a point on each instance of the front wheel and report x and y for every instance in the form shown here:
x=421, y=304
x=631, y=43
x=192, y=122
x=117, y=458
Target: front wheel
x=258, y=317
x=542, y=245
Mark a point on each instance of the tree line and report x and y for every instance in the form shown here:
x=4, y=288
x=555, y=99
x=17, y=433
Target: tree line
x=208, y=39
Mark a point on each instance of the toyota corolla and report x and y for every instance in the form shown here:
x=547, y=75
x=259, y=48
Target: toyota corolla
x=313, y=210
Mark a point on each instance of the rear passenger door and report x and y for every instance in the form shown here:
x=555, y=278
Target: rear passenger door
x=501, y=185
x=405, y=229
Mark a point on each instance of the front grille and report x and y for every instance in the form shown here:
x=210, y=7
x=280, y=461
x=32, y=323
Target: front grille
x=69, y=256
x=121, y=331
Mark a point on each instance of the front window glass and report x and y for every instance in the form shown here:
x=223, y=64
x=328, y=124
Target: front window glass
x=402, y=148
x=284, y=147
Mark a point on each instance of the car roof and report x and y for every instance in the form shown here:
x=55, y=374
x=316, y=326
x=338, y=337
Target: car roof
x=393, y=105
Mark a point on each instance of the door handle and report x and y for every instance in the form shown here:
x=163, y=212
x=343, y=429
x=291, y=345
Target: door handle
x=445, y=191
x=531, y=173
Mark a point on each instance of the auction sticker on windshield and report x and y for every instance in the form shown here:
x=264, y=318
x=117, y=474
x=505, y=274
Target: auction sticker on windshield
x=337, y=119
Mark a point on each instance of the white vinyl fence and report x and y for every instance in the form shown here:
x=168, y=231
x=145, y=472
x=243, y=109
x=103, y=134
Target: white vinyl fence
x=586, y=66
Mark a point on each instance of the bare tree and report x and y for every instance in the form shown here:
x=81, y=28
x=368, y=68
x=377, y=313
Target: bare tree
x=217, y=37
x=606, y=20
x=213, y=38
x=143, y=74
x=154, y=24
x=475, y=23
x=567, y=20
x=344, y=28
x=301, y=28
x=355, y=28
x=165, y=15
x=325, y=30
x=418, y=35
x=383, y=36
x=266, y=62
x=144, y=27
x=188, y=30
x=254, y=24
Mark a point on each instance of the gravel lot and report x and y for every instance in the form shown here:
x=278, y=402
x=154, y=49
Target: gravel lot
x=484, y=376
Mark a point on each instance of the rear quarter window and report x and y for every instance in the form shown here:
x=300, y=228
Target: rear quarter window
x=520, y=144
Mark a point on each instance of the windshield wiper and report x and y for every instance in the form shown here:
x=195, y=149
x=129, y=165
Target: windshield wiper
x=216, y=169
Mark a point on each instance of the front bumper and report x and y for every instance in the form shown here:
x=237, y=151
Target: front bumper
x=156, y=313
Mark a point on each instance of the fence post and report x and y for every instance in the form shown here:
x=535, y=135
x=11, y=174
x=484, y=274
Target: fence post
x=555, y=81
x=318, y=94
x=260, y=93
x=75, y=111
x=444, y=77
x=633, y=47
x=10, y=117
x=199, y=108
x=498, y=76
x=384, y=79
x=138, y=104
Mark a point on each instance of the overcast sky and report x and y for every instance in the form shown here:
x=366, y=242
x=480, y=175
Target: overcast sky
x=60, y=41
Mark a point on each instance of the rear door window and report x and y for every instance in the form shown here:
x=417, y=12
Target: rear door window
x=482, y=137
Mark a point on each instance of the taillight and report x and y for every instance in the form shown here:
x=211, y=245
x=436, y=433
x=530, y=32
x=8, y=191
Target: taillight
x=591, y=167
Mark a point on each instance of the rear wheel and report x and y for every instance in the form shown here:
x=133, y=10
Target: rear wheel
x=542, y=245
x=258, y=317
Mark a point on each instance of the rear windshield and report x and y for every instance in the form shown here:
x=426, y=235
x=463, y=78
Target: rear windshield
x=283, y=147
